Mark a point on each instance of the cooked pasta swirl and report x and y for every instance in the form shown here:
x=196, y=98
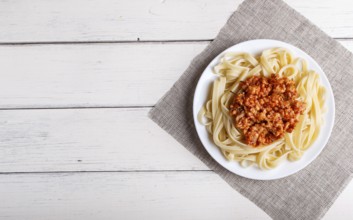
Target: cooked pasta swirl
x=236, y=67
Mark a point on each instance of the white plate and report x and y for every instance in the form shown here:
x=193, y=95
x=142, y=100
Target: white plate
x=286, y=168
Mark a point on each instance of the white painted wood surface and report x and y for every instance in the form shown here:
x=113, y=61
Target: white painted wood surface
x=73, y=145
x=91, y=75
x=129, y=20
x=113, y=139
x=149, y=195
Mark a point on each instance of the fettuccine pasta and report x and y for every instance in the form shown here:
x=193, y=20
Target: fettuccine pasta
x=237, y=67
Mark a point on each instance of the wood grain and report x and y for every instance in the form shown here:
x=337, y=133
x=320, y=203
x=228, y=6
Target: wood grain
x=170, y=195
x=132, y=20
x=88, y=140
x=93, y=75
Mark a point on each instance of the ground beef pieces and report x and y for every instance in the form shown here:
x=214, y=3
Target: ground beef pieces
x=265, y=108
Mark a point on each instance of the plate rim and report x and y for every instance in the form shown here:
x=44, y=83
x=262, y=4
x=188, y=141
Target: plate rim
x=328, y=93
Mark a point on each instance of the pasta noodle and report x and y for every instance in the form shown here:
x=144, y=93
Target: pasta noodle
x=236, y=67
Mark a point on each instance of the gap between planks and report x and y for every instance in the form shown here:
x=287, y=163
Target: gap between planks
x=122, y=42
x=104, y=171
x=77, y=107
x=108, y=42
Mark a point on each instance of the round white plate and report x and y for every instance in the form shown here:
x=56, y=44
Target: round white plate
x=286, y=168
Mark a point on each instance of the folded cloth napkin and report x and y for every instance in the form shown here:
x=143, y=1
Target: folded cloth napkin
x=309, y=193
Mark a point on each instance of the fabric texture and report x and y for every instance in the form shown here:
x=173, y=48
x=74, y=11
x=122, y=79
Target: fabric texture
x=309, y=193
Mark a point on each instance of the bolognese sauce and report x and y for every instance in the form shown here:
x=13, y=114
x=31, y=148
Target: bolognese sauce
x=265, y=108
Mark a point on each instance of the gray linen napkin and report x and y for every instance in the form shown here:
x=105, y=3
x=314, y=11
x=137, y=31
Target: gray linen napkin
x=309, y=193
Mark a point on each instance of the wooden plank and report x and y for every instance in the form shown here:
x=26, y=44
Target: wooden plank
x=94, y=75
x=174, y=195
x=167, y=195
x=129, y=20
x=88, y=140
x=91, y=75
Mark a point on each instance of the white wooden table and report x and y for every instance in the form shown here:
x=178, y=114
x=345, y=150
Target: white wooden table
x=77, y=79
